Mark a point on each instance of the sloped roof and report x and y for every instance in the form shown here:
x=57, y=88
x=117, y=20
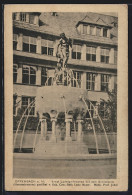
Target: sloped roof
x=66, y=22
x=87, y=19
x=96, y=21
x=101, y=22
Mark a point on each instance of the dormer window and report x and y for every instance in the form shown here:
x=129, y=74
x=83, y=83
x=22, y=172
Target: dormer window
x=89, y=26
x=105, y=32
x=23, y=17
x=27, y=17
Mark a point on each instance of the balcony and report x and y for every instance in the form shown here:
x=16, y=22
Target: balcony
x=52, y=60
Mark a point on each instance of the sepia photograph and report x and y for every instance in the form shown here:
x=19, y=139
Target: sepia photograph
x=65, y=98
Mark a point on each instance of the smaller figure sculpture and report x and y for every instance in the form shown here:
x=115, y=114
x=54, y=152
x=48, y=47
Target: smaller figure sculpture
x=63, y=50
x=58, y=74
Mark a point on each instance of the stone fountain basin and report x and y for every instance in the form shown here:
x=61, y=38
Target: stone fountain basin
x=58, y=97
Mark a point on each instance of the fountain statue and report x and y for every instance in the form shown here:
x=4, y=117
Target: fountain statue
x=63, y=75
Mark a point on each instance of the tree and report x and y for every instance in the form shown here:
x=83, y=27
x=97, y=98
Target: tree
x=110, y=108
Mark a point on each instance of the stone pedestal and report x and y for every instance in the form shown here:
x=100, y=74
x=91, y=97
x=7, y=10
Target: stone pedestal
x=68, y=133
x=79, y=136
x=53, y=136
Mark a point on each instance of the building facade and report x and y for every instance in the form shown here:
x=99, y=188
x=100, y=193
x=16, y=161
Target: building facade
x=93, y=56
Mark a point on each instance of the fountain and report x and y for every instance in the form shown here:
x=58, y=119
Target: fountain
x=61, y=97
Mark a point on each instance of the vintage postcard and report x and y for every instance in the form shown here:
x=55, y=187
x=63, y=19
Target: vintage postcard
x=66, y=97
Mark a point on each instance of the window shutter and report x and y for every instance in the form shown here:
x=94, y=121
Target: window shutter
x=98, y=31
x=25, y=67
x=102, y=52
x=33, y=40
x=31, y=19
x=74, y=48
x=44, y=42
x=33, y=68
x=50, y=43
x=107, y=52
x=78, y=48
x=84, y=29
x=88, y=49
x=93, y=50
x=26, y=39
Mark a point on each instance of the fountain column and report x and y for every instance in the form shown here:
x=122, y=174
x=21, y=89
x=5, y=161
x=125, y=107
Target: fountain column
x=79, y=136
x=96, y=110
x=68, y=130
x=53, y=136
x=43, y=127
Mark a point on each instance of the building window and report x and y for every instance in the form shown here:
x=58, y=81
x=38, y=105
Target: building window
x=105, y=32
x=25, y=103
x=15, y=41
x=43, y=76
x=104, y=82
x=29, y=44
x=76, y=52
x=29, y=75
x=23, y=17
x=15, y=68
x=76, y=81
x=90, y=81
x=105, y=56
x=14, y=105
x=47, y=47
x=98, y=31
x=115, y=56
x=90, y=53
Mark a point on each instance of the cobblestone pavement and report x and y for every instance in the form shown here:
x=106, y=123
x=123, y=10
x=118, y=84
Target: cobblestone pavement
x=74, y=169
